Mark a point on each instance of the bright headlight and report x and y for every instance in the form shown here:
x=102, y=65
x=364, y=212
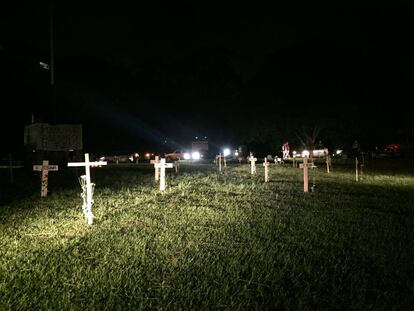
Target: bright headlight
x=187, y=156
x=196, y=155
x=226, y=152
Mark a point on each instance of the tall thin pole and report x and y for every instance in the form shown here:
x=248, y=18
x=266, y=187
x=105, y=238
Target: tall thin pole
x=52, y=66
x=88, y=189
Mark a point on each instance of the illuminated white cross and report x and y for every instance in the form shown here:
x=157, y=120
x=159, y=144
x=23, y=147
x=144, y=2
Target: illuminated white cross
x=87, y=209
x=328, y=163
x=266, y=169
x=304, y=165
x=162, y=166
x=252, y=160
x=218, y=157
x=157, y=170
x=44, y=168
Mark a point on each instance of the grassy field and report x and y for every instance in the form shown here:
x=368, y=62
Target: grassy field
x=211, y=241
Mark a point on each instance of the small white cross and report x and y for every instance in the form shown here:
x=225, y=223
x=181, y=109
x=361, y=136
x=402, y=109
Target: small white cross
x=304, y=165
x=88, y=208
x=252, y=160
x=44, y=168
x=218, y=157
x=266, y=169
x=328, y=163
x=162, y=166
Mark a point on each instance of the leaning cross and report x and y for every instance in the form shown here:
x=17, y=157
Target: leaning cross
x=157, y=170
x=304, y=165
x=88, y=187
x=266, y=169
x=44, y=168
x=252, y=160
x=162, y=166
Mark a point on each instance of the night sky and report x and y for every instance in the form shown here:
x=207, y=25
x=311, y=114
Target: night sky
x=156, y=76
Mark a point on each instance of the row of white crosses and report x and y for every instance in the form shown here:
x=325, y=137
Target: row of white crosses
x=159, y=166
x=88, y=186
x=266, y=164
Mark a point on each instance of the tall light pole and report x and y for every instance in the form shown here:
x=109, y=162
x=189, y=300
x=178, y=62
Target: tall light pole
x=52, y=67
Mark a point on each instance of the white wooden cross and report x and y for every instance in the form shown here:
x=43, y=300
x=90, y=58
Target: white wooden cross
x=157, y=170
x=218, y=158
x=252, y=160
x=162, y=166
x=328, y=163
x=44, y=168
x=87, y=203
x=266, y=169
x=304, y=165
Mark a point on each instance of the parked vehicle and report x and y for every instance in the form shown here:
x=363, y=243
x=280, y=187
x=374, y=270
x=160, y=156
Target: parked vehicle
x=125, y=158
x=175, y=155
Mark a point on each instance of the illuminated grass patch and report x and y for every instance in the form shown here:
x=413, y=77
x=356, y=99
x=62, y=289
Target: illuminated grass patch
x=212, y=241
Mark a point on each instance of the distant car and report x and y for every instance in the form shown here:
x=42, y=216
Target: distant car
x=175, y=155
x=316, y=153
x=117, y=158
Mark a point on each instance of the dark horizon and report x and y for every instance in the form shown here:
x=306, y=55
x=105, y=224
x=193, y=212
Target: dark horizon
x=137, y=77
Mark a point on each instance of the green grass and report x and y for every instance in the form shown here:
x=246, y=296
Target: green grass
x=211, y=241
